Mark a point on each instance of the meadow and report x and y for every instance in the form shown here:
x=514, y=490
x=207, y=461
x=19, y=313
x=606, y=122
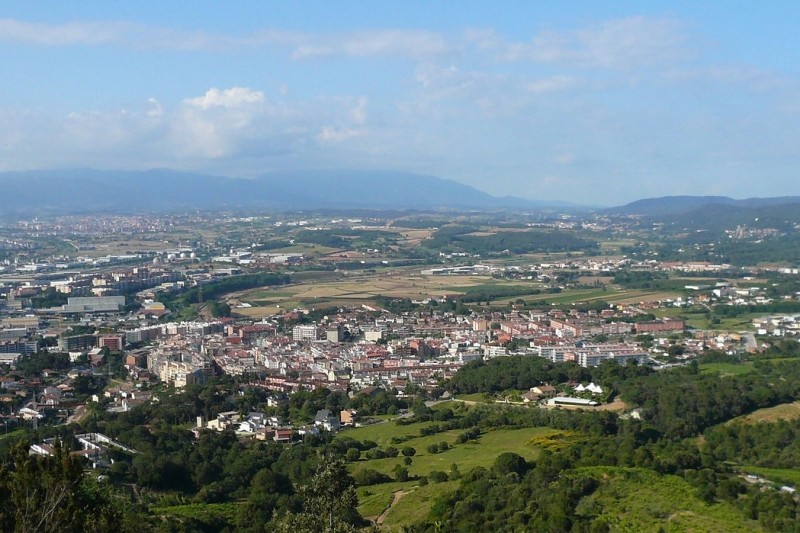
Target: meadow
x=415, y=500
x=784, y=411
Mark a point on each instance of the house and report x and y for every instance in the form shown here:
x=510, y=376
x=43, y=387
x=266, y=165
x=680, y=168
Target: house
x=326, y=420
x=278, y=400
x=283, y=435
x=348, y=417
x=29, y=414
x=224, y=421
x=546, y=391
x=531, y=396
x=255, y=422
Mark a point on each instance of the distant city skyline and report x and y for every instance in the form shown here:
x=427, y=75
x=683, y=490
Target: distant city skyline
x=583, y=102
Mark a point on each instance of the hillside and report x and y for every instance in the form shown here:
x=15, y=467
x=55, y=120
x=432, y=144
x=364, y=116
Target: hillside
x=676, y=205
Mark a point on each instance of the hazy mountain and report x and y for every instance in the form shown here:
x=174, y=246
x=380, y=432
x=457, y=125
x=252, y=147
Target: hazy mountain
x=673, y=205
x=89, y=190
x=715, y=219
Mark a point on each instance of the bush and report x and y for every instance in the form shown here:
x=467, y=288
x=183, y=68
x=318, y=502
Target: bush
x=433, y=448
x=368, y=476
x=438, y=476
x=443, y=415
x=376, y=453
x=391, y=451
x=353, y=454
x=510, y=462
x=401, y=473
x=408, y=451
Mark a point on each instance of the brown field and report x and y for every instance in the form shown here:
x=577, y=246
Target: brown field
x=644, y=297
x=784, y=411
x=414, y=237
x=355, y=289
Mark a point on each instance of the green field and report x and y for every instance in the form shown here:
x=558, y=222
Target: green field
x=478, y=397
x=416, y=501
x=375, y=499
x=467, y=456
x=778, y=475
x=698, y=318
x=727, y=369
x=414, y=505
x=633, y=499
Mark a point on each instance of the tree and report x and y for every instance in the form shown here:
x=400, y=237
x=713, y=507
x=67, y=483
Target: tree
x=329, y=502
x=400, y=473
x=51, y=494
x=353, y=454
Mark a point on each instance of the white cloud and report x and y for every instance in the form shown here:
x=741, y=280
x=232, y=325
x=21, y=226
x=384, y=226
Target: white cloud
x=223, y=127
x=330, y=133
x=299, y=45
x=620, y=43
x=551, y=84
x=755, y=79
x=71, y=33
x=410, y=43
x=235, y=97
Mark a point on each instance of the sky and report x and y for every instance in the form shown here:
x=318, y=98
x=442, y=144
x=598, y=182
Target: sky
x=589, y=102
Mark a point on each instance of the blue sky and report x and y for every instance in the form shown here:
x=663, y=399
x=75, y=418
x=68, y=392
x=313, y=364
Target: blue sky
x=590, y=102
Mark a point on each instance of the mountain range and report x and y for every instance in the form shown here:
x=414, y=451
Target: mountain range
x=90, y=190
x=676, y=205
x=45, y=192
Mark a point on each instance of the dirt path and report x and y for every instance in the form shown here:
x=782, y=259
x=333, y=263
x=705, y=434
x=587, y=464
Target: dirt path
x=398, y=495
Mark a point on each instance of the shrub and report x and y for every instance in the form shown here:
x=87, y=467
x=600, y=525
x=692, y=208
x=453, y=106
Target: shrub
x=438, y=476
x=408, y=451
x=353, y=454
x=368, y=476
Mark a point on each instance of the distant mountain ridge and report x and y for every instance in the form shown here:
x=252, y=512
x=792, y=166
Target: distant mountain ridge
x=675, y=205
x=90, y=190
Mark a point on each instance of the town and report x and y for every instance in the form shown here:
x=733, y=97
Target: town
x=325, y=325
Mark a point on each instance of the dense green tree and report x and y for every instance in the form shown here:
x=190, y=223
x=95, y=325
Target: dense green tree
x=328, y=502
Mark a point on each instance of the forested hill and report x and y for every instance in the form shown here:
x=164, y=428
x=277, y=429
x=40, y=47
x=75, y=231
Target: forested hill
x=675, y=205
x=715, y=219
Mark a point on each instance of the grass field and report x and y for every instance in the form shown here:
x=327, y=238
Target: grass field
x=632, y=499
x=415, y=505
x=698, y=319
x=416, y=501
x=727, y=369
x=784, y=411
x=374, y=499
x=777, y=475
x=478, y=397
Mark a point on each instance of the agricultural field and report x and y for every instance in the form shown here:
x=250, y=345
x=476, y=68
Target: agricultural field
x=365, y=289
x=362, y=289
x=611, y=295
